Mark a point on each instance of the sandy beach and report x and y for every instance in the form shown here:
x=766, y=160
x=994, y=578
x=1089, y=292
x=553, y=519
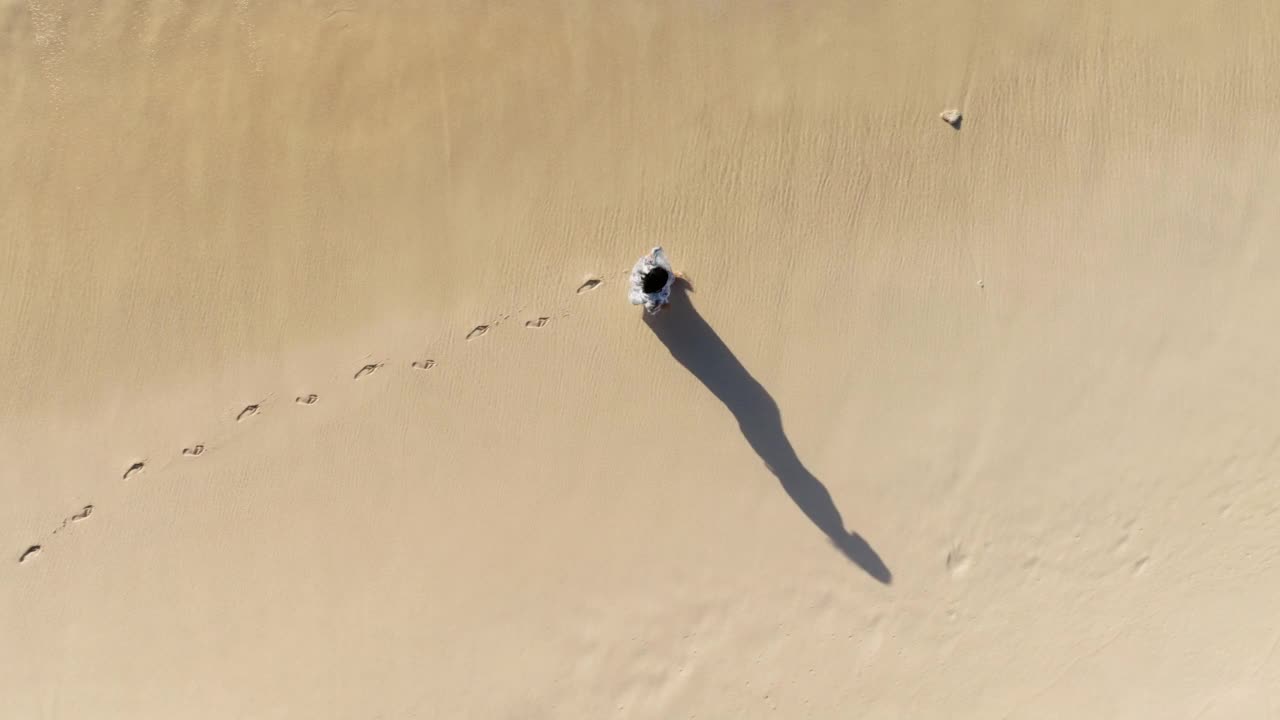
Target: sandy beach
x=323, y=397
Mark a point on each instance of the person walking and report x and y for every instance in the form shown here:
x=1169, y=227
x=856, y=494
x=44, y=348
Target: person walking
x=651, y=281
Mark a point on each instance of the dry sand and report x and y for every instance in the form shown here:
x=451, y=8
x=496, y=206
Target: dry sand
x=1033, y=361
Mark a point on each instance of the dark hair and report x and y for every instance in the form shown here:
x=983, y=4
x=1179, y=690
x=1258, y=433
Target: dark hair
x=654, y=280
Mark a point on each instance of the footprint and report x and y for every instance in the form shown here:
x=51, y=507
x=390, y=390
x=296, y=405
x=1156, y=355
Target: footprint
x=193, y=451
x=1140, y=565
x=366, y=370
x=30, y=554
x=540, y=322
x=958, y=561
x=477, y=331
x=84, y=513
x=422, y=364
x=589, y=285
x=307, y=399
x=249, y=411
x=133, y=470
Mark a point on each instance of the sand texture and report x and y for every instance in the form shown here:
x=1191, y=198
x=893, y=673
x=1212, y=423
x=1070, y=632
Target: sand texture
x=323, y=398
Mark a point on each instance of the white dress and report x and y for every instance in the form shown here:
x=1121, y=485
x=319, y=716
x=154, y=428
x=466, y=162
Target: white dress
x=653, y=301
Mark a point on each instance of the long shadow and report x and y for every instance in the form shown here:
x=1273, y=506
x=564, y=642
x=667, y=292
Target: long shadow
x=700, y=350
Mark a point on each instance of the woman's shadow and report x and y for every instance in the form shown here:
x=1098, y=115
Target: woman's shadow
x=700, y=350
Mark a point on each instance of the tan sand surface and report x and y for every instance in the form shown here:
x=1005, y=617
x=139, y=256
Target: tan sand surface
x=975, y=423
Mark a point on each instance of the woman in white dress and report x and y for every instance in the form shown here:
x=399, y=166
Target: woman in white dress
x=651, y=281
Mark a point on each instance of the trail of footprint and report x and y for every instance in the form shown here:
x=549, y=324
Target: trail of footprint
x=588, y=285
x=250, y=410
